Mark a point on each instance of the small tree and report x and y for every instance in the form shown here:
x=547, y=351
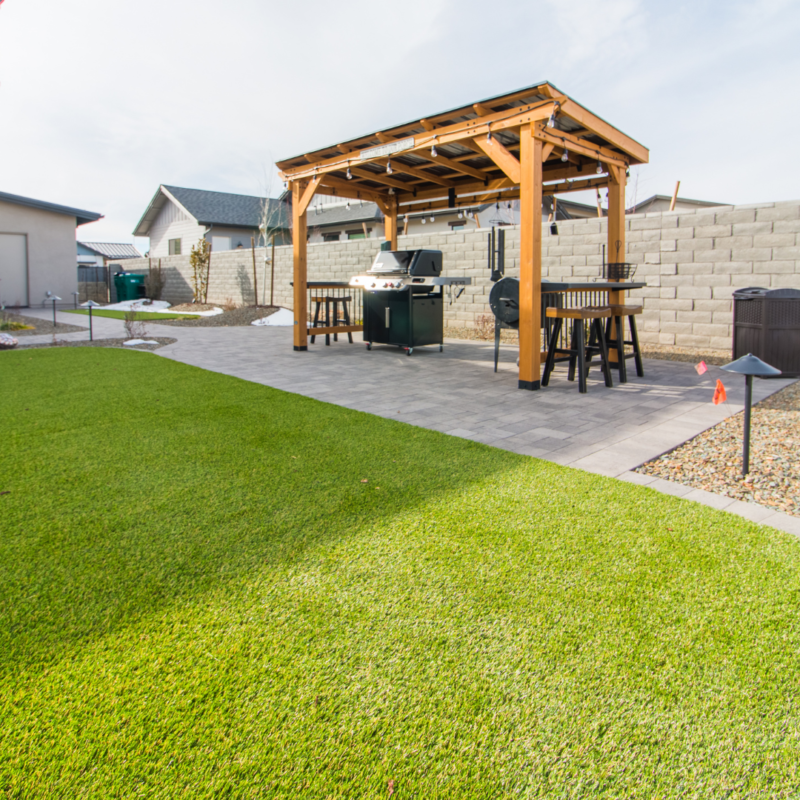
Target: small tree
x=154, y=281
x=200, y=260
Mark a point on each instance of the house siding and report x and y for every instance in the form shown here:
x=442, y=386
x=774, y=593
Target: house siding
x=173, y=223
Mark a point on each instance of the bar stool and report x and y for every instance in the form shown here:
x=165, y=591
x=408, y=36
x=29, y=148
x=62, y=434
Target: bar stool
x=328, y=301
x=619, y=341
x=578, y=349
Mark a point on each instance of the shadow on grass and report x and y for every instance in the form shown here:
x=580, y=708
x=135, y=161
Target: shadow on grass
x=134, y=482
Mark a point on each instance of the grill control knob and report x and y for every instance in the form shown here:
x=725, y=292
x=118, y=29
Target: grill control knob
x=373, y=286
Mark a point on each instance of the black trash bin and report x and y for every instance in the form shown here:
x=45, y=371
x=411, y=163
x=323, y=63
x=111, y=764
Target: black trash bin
x=766, y=323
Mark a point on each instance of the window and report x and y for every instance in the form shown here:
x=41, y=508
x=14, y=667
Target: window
x=330, y=237
x=356, y=235
x=174, y=247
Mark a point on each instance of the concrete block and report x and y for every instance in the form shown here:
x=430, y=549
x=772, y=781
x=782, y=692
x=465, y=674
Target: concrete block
x=784, y=281
x=713, y=255
x=678, y=233
x=694, y=317
x=752, y=228
x=677, y=328
x=667, y=292
x=668, y=269
x=702, y=243
x=786, y=253
x=722, y=317
x=774, y=267
x=786, y=226
x=648, y=337
x=722, y=292
x=735, y=216
x=714, y=306
x=734, y=242
x=669, y=316
x=733, y=268
x=694, y=292
x=666, y=338
x=712, y=280
x=639, y=224
x=667, y=245
x=702, y=220
x=774, y=240
x=652, y=258
x=679, y=304
x=701, y=329
x=778, y=212
x=721, y=342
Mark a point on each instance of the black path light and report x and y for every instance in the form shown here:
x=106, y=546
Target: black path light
x=749, y=366
x=55, y=298
x=90, y=305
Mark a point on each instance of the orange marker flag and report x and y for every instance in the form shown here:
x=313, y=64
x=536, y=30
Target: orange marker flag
x=719, y=393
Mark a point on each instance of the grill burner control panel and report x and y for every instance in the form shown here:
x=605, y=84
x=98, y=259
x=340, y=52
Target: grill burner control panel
x=399, y=270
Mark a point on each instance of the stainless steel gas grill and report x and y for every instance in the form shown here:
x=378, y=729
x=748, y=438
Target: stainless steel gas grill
x=401, y=306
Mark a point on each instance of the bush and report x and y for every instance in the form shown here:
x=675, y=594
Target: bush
x=134, y=327
x=154, y=282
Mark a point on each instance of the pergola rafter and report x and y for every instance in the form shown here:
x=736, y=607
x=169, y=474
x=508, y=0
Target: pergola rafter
x=523, y=145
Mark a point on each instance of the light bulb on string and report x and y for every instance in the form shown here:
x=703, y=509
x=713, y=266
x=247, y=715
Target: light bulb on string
x=349, y=174
x=599, y=166
x=432, y=219
x=348, y=205
x=423, y=220
x=389, y=167
x=433, y=149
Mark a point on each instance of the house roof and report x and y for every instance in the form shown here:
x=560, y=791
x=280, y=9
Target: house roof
x=112, y=249
x=81, y=217
x=660, y=197
x=324, y=216
x=214, y=208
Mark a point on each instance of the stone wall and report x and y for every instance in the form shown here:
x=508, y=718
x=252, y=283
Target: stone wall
x=691, y=262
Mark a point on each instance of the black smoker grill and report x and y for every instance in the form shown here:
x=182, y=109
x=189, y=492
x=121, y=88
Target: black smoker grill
x=400, y=305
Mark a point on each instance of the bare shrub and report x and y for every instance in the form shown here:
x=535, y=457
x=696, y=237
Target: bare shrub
x=484, y=325
x=228, y=304
x=134, y=327
x=200, y=260
x=154, y=282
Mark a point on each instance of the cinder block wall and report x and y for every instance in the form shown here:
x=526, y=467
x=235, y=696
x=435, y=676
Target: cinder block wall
x=691, y=262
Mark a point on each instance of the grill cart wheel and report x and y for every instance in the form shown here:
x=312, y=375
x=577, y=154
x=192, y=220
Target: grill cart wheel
x=369, y=345
x=409, y=351
x=441, y=348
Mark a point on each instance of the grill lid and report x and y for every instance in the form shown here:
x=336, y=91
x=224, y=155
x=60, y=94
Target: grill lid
x=407, y=262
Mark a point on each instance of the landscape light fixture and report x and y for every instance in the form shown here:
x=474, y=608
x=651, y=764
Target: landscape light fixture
x=349, y=174
x=55, y=298
x=90, y=305
x=749, y=366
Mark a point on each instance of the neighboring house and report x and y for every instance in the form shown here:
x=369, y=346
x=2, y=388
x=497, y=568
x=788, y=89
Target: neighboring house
x=334, y=222
x=103, y=254
x=177, y=218
x=37, y=249
x=661, y=202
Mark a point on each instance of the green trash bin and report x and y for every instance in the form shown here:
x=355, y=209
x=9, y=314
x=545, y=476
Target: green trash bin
x=129, y=286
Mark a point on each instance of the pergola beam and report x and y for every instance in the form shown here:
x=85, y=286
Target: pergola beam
x=500, y=156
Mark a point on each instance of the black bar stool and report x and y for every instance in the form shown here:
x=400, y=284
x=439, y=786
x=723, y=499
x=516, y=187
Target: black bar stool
x=578, y=349
x=618, y=342
x=331, y=303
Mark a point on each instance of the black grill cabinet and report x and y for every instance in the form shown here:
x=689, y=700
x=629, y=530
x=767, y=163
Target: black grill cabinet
x=766, y=323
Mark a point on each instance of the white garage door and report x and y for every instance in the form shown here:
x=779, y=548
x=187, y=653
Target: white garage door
x=13, y=270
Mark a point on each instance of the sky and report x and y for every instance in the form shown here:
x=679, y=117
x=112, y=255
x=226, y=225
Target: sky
x=101, y=101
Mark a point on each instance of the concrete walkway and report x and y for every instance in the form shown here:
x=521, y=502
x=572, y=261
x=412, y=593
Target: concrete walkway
x=607, y=431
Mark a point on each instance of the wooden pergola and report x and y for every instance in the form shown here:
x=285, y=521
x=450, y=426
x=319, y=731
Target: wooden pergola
x=522, y=145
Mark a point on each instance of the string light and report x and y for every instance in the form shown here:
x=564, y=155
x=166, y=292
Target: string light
x=565, y=155
x=348, y=205
x=488, y=136
x=349, y=174
x=599, y=165
x=388, y=167
x=433, y=148
x=423, y=220
x=551, y=123
x=431, y=217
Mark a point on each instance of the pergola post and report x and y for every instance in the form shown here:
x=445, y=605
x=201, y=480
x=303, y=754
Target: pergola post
x=616, y=236
x=530, y=264
x=300, y=275
x=390, y=223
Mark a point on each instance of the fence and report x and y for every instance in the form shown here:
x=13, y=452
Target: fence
x=93, y=284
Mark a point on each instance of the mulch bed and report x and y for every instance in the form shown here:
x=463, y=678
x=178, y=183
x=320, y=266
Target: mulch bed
x=160, y=342
x=40, y=326
x=713, y=460
x=235, y=317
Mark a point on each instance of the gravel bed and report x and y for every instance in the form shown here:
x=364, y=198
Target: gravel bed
x=160, y=342
x=713, y=460
x=238, y=316
x=41, y=326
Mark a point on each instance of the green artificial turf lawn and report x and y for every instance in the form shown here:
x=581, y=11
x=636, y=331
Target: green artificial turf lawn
x=201, y=597
x=140, y=315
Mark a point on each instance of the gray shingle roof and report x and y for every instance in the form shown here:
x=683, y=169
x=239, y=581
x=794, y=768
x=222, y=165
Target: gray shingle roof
x=81, y=217
x=221, y=208
x=112, y=249
x=341, y=215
